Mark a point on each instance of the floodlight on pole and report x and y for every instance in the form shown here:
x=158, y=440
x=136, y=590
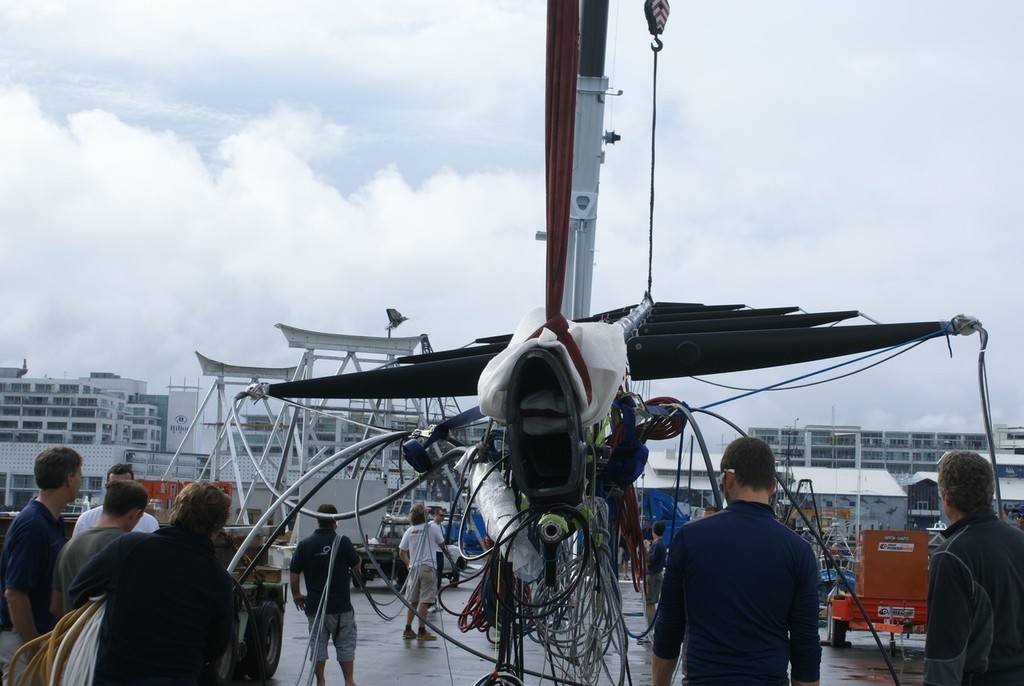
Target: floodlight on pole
x=395, y=318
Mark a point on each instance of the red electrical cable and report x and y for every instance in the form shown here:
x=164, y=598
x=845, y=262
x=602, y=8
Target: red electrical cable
x=660, y=428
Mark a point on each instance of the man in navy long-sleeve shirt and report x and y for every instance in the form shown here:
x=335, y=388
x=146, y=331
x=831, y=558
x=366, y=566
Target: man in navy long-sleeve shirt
x=741, y=588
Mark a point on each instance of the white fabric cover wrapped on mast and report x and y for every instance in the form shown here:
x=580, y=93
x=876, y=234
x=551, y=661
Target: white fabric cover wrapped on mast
x=496, y=503
x=601, y=345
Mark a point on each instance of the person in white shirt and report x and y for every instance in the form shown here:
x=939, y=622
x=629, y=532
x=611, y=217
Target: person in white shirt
x=119, y=472
x=418, y=551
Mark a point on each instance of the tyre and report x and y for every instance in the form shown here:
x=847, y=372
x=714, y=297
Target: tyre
x=267, y=644
x=838, y=637
x=221, y=671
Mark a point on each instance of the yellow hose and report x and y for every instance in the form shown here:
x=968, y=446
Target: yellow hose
x=51, y=657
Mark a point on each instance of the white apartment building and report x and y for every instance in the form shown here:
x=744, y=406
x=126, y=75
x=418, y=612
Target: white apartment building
x=898, y=452
x=103, y=416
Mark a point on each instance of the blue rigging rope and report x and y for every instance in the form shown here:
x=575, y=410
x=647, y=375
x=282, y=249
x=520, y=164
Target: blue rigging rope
x=942, y=332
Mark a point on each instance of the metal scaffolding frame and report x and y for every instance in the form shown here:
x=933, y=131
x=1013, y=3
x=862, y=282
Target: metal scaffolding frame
x=304, y=431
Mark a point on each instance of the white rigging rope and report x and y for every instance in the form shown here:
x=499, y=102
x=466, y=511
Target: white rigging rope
x=81, y=661
x=588, y=627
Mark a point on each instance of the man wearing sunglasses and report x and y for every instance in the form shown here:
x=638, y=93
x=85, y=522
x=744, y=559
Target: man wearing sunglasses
x=740, y=587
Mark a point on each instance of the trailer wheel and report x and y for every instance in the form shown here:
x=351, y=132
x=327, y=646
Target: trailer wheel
x=839, y=628
x=221, y=671
x=270, y=627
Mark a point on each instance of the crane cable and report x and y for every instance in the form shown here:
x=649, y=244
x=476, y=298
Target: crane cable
x=656, y=12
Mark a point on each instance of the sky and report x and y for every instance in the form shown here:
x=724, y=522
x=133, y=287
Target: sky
x=182, y=176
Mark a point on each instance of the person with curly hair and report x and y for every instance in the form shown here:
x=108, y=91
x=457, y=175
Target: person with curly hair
x=975, y=587
x=170, y=602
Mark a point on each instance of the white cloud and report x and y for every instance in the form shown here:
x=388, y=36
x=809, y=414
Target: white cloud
x=170, y=184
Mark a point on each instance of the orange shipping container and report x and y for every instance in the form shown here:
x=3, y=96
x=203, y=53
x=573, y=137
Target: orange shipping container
x=892, y=564
x=163, y=493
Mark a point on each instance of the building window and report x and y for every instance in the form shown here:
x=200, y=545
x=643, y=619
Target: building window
x=23, y=481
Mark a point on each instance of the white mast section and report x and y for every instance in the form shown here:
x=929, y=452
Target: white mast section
x=588, y=155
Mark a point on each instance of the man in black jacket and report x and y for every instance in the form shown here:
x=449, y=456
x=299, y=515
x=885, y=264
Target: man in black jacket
x=170, y=603
x=975, y=588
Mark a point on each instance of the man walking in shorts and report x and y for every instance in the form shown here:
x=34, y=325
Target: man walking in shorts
x=418, y=550
x=332, y=618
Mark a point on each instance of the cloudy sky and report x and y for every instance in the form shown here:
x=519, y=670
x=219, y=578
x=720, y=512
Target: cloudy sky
x=180, y=176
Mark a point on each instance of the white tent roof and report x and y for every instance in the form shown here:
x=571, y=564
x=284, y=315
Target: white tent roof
x=661, y=468
x=661, y=473
x=918, y=477
x=1008, y=459
x=1011, y=489
x=876, y=482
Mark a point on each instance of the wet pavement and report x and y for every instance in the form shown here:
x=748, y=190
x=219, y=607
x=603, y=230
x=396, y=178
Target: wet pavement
x=384, y=657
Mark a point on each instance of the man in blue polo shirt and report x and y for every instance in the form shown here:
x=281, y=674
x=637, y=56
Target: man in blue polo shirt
x=741, y=587
x=30, y=551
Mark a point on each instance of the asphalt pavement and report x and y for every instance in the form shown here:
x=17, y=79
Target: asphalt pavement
x=384, y=657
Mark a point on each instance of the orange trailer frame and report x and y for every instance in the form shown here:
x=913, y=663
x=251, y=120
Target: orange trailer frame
x=891, y=581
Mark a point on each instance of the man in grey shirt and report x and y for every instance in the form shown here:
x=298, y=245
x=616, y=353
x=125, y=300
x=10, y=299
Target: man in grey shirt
x=123, y=507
